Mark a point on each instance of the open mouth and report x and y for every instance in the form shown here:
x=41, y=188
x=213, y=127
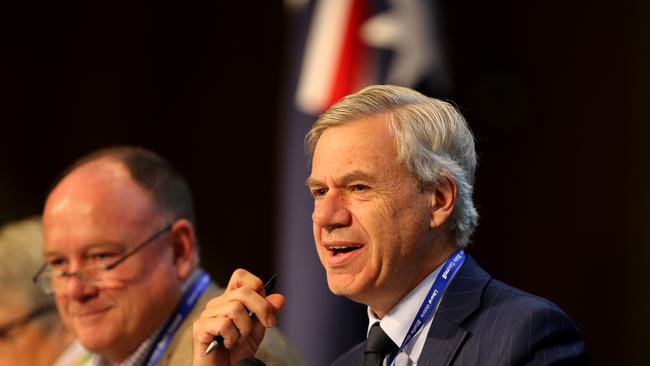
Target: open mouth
x=339, y=250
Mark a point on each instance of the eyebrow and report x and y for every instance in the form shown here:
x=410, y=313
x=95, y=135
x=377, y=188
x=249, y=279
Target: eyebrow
x=348, y=177
x=312, y=182
x=111, y=244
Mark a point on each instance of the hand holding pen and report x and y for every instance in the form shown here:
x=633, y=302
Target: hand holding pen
x=233, y=324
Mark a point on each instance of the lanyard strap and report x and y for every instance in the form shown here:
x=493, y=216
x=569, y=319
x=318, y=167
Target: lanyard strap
x=432, y=300
x=189, y=300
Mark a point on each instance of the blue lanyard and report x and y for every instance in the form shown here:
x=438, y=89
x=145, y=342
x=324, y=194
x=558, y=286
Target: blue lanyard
x=431, y=301
x=186, y=305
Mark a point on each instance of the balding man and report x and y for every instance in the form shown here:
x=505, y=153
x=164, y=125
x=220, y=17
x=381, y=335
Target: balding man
x=31, y=332
x=122, y=263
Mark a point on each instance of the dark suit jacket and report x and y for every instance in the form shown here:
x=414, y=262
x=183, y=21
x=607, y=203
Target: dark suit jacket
x=482, y=321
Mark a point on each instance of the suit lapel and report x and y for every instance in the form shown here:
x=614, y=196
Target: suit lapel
x=462, y=298
x=179, y=350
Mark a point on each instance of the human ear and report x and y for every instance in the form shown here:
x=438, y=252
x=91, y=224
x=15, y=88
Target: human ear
x=183, y=243
x=443, y=199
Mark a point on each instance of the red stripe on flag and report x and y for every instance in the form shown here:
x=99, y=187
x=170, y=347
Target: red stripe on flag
x=352, y=63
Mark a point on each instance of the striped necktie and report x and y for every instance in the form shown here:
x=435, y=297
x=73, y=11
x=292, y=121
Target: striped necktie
x=378, y=346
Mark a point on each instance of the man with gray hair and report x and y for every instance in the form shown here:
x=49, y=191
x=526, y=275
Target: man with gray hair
x=392, y=178
x=31, y=333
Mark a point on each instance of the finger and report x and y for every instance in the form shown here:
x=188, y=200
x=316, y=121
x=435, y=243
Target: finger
x=238, y=314
x=250, y=299
x=267, y=317
x=263, y=310
x=235, y=294
x=277, y=301
x=204, y=331
x=242, y=278
x=253, y=302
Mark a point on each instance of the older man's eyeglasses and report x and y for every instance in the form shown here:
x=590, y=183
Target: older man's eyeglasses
x=53, y=280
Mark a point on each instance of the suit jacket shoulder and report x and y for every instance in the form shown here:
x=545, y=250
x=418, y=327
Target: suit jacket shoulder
x=274, y=349
x=354, y=356
x=482, y=321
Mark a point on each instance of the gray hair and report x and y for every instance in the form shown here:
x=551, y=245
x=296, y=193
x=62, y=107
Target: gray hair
x=432, y=137
x=21, y=252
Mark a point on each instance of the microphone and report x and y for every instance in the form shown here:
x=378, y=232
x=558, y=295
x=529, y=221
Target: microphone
x=251, y=361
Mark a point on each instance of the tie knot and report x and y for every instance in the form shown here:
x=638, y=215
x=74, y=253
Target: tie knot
x=379, y=342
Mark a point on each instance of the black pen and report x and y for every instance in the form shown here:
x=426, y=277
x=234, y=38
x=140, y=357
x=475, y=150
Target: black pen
x=218, y=340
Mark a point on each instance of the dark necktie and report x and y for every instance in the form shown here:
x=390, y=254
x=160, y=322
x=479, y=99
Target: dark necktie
x=378, y=346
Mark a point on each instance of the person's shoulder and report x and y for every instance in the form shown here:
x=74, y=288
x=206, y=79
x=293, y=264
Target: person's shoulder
x=535, y=328
x=179, y=351
x=276, y=350
x=352, y=357
x=495, y=298
x=532, y=327
x=520, y=312
x=502, y=292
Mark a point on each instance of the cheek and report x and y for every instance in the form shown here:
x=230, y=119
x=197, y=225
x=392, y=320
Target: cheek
x=316, y=232
x=62, y=307
x=158, y=282
x=380, y=227
x=389, y=231
x=320, y=251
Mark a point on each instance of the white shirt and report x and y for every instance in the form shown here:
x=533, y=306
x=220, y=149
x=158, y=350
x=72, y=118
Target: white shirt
x=397, y=322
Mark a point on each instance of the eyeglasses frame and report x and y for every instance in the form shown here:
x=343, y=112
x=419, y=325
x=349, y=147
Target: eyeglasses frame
x=106, y=267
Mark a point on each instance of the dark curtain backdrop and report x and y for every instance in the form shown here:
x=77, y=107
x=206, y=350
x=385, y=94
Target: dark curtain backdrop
x=555, y=91
x=195, y=81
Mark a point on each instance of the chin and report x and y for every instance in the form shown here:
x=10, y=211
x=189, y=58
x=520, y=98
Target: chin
x=343, y=285
x=95, y=340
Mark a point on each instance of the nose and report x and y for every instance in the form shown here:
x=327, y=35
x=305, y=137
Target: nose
x=331, y=211
x=77, y=289
x=74, y=286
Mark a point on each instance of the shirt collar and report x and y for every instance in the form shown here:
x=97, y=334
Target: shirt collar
x=397, y=322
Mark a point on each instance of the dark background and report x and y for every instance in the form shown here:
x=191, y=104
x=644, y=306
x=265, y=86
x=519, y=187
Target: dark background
x=555, y=91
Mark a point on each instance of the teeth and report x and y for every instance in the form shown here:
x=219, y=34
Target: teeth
x=339, y=249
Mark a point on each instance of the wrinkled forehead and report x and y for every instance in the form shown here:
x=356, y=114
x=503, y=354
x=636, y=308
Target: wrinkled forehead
x=365, y=144
x=367, y=132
